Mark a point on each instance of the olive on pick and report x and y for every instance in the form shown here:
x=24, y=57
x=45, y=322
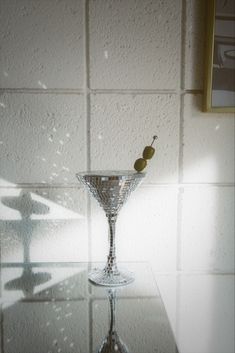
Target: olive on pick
x=149, y=150
x=140, y=164
x=148, y=153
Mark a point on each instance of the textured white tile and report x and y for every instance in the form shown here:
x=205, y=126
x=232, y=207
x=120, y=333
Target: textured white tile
x=44, y=283
x=146, y=229
x=205, y=309
x=208, y=154
x=41, y=44
x=42, y=138
x=208, y=229
x=46, y=327
x=122, y=125
x=135, y=44
x=142, y=325
x=43, y=225
x=194, y=44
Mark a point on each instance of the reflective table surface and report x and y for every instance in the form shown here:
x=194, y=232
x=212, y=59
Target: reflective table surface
x=55, y=309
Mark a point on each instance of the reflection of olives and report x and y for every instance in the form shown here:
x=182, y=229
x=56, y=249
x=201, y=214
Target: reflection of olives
x=148, y=152
x=140, y=164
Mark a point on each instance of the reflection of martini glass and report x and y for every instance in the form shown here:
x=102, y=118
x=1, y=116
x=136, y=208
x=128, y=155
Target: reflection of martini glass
x=112, y=342
x=111, y=189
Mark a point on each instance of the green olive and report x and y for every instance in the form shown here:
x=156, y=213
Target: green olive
x=148, y=152
x=140, y=164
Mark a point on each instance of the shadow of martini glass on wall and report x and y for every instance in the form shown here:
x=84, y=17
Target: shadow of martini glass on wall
x=112, y=343
x=24, y=228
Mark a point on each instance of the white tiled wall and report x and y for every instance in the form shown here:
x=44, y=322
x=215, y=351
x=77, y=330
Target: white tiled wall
x=42, y=44
x=43, y=138
x=208, y=154
x=135, y=44
x=207, y=228
x=86, y=84
x=48, y=224
x=193, y=43
x=121, y=125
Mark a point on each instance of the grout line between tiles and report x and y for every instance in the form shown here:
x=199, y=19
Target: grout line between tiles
x=135, y=297
x=39, y=300
x=88, y=131
x=89, y=227
x=90, y=300
x=177, y=310
x=133, y=91
x=181, y=142
x=147, y=185
x=180, y=179
x=179, y=230
x=86, y=80
x=0, y=267
x=180, y=189
x=90, y=325
x=180, y=91
x=79, y=91
x=9, y=265
x=62, y=264
x=182, y=85
x=182, y=45
x=181, y=136
x=42, y=91
x=88, y=120
x=88, y=168
x=2, y=330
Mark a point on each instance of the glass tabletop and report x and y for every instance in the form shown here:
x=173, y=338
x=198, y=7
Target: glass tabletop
x=56, y=309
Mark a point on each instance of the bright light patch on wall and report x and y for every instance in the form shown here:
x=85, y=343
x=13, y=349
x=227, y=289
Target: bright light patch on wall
x=8, y=213
x=146, y=228
x=4, y=182
x=203, y=231
x=42, y=85
x=207, y=166
x=37, y=228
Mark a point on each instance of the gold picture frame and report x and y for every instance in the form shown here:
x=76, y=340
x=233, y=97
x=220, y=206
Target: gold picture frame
x=214, y=68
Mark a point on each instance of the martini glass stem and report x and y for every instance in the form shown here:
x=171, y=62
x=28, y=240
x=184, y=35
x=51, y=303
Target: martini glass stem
x=111, y=266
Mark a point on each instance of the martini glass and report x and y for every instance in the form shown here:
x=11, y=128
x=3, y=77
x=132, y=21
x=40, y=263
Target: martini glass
x=111, y=189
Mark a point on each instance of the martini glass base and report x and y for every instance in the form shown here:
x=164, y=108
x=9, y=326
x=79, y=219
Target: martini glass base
x=115, y=279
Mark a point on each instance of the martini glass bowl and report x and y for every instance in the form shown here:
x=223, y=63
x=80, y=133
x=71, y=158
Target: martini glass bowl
x=111, y=189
